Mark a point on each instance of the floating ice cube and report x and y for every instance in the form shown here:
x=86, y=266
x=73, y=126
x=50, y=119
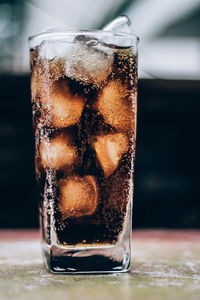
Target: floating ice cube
x=78, y=196
x=115, y=104
x=53, y=54
x=89, y=62
x=54, y=49
x=64, y=108
x=109, y=149
x=86, y=60
x=58, y=152
x=57, y=68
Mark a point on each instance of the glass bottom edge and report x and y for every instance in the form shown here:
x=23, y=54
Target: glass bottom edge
x=87, y=264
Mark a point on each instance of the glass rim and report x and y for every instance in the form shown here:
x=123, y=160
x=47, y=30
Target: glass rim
x=62, y=33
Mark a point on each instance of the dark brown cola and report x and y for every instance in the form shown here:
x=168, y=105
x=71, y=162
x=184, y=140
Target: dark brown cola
x=84, y=117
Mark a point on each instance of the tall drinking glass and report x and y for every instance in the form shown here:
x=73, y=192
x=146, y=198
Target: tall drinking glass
x=84, y=99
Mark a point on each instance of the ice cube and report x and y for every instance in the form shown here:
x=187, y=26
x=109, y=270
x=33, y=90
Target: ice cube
x=109, y=149
x=58, y=153
x=78, y=196
x=37, y=74
x=89, y=61
x=55, y=49
x=84, y=59
x=115, y=104
x=54, y=54
x=64, y=107
x=57, y=68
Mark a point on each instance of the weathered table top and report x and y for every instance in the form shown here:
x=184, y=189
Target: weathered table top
x=165, y=265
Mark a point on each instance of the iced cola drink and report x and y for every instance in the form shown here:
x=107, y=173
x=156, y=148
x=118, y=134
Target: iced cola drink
x=84, y=99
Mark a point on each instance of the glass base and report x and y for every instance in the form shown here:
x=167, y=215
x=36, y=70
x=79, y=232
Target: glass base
x=101, y=259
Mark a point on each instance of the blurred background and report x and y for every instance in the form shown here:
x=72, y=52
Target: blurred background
x=167, y=177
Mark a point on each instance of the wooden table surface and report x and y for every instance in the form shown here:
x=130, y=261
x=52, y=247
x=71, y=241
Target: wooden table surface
x=165, y=265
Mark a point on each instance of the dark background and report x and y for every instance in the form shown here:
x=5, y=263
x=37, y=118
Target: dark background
x=167, y=173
